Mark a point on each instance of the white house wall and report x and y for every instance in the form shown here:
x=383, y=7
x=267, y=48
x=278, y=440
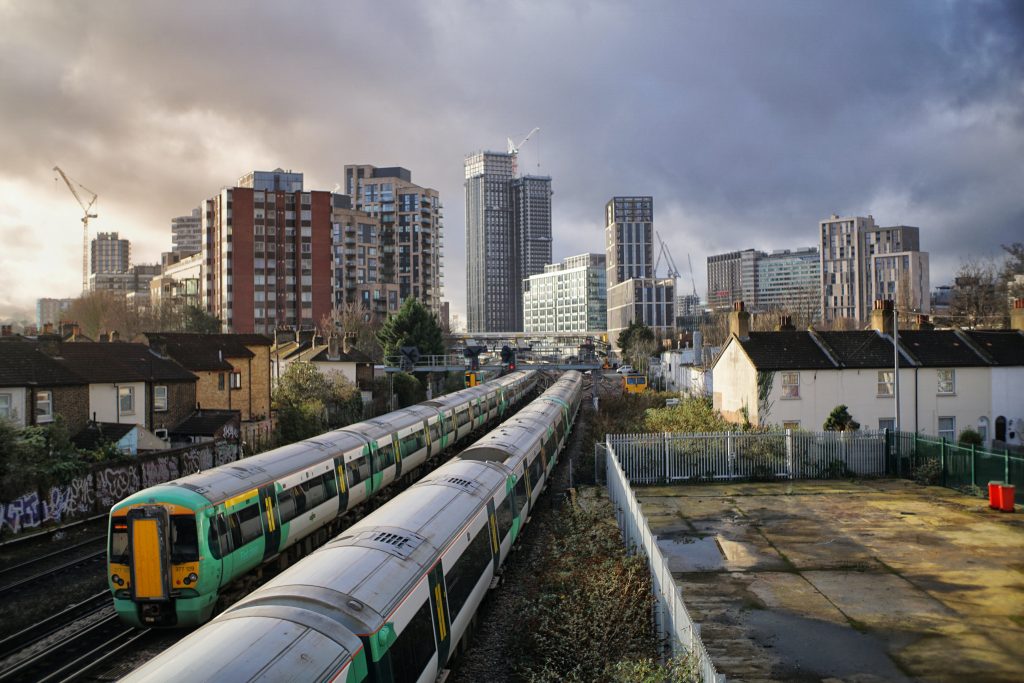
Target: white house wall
x=103, y=403
x=735, y=385
x=1008, y=402
x=348, y=370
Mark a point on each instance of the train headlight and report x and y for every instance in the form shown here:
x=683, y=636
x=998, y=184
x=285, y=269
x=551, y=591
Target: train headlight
x=191, y=578
x=117, y=580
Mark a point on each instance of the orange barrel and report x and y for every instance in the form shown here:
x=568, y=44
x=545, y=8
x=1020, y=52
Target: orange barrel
x=1006, y=497
x=993, y=494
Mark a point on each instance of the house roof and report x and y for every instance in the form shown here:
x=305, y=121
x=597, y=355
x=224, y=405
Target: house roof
x=206, y=351
x=96, y=433
x=1005, y=347
x=22, y=364
x=205, y=422
x=861, y=349
x=811, y=350
x=784, y=350
x=101, y=362
x=319, y=354
x=940, y=348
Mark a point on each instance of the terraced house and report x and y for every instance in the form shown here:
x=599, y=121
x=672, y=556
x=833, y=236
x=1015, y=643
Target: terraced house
x=949, y=380
x=35, y=388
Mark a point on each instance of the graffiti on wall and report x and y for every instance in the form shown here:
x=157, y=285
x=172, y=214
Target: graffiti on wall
x=93, y=493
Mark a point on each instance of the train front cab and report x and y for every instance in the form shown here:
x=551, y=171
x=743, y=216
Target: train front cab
x=154, y=565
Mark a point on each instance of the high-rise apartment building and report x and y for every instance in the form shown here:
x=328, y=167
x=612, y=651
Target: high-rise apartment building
x=508, y=239
x=359, y=276
x=267, y=254
x=411, y=230
x=51, y=311
x=570, y=296
x=110, y=254
x=852, y=275
x=732, y=277
x=783, y=279
x=187, y=234
x=633, y=291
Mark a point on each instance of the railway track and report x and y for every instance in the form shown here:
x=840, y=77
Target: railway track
x=22, y=574
x=79, y=652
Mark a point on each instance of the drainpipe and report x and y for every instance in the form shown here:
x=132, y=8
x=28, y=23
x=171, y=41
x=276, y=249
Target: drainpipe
x=117, y=404
x=250, y=389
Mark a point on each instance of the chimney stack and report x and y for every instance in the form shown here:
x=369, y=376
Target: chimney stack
x=348, y=342
x=923, y=322
x=332, y=347
x=104, y=337
x=1017, y=314
x=115, y=336
x=47, y=328
x=739, y=321
x=6, y=330
x=785, y=324
x=882, y=316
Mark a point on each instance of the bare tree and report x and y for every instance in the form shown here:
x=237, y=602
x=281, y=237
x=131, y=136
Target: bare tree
x=979, y=295
x=358, y=324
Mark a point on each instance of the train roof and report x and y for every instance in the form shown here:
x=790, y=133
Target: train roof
x=298, y=646
x=363, y=575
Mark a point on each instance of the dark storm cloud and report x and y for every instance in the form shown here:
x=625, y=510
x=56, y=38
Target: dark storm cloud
x=748, y=122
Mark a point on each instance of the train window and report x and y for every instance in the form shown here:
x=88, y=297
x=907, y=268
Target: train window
x=435, y=432
x=521, y=491
x=464, y=575
x=316, y=492
x=462, y=417
x=414, y=647
x=385, y=456
x=245, y=525
x=220, y=541
x=412, y=443
x=119, y=541
x=184, y=539
x=290, y=504
x=358, y=470
x=535, y=470
x=505, y=515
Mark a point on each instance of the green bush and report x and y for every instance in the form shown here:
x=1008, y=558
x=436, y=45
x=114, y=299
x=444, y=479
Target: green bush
x=928, y=473
x=970, y=437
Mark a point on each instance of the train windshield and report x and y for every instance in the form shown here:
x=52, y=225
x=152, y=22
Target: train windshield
x=119, y=541
x=184, y=539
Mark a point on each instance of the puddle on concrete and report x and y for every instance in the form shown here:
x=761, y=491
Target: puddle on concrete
x=690, y=554
x=810, y=649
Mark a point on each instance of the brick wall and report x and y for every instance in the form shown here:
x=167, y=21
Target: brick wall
x=72, y=403
x=181, y=401
x=207, y=393
x=259, y=381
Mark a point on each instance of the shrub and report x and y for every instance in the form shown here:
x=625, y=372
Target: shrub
x=840, y=420
x=928, y=473
x=970, y=437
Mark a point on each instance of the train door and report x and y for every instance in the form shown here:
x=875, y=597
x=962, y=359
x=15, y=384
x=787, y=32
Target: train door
x=339, y=468
x=150, y=548
x=441, y=617
x=271, y=521
x=492, y=525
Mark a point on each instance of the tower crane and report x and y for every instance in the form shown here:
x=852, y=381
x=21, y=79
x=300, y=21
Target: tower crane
x=85, y=222
x=513, y=149
x=693, y=280
x=673, y=272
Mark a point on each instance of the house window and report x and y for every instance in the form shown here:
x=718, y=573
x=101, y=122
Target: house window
x=792, y=424
x=236, y=380
x=5, y=406
x=126, y=400
x=887, y=423
x=947, y=381
x=983, y=428
x=791, y=385
x=885, y=382
x=44, y=406
x=159, y=398
x=220, y=382
x=947, y=428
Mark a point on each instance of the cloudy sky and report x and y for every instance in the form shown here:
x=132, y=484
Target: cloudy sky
x=747, y=121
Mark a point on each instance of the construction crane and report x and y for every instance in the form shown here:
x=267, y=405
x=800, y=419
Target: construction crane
x=513, y=149
x=693, y=280
x=663, y=251
x=85, y=222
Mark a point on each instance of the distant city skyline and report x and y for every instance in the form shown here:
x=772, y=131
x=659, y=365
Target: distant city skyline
x=745, y=128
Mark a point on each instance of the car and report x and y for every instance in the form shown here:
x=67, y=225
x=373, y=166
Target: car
x=625, y=370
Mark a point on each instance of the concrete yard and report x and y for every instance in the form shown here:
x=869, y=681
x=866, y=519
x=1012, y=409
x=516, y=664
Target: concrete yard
x=847, y=581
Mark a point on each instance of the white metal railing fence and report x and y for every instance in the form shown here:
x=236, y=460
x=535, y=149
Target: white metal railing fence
x=665, y=457
x=672, y=618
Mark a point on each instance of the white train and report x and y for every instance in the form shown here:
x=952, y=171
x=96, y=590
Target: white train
x=390, y=599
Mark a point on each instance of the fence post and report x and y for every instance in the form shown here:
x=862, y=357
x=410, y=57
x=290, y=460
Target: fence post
x=789, y=452
x=942, y=459
x=974, y=454
x=665, y=437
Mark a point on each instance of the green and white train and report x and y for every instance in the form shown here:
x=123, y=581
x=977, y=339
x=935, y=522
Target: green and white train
x=173, y=548
x=393, y=597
